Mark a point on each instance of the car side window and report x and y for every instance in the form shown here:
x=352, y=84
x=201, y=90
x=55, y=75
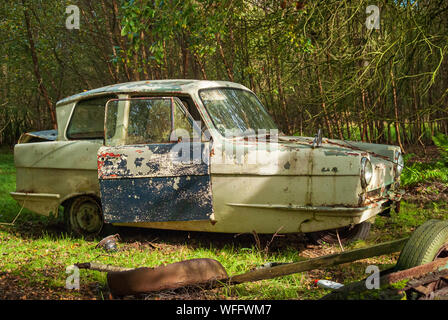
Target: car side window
x=182, y=126
x=87, y=121
x=149, y=121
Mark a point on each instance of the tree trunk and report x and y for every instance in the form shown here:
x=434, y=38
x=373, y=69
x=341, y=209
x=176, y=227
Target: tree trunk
x=223, y=57
x=324, y=107
x=397, y=127
x=37, y=74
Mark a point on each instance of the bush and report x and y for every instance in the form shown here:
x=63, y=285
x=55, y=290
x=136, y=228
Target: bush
x=441, y=141
x=418, y=172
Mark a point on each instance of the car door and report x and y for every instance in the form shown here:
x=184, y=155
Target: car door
x=154, y=166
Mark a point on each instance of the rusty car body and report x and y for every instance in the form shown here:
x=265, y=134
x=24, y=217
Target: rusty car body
x=118, y=158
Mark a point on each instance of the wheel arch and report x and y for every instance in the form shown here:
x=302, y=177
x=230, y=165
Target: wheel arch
x=69, y=198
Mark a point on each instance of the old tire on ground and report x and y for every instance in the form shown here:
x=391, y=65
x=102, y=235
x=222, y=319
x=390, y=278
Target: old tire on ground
x=84, y=216
x=346, y=234
x=428, y=243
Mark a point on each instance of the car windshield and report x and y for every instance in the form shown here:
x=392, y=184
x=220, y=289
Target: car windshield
x=236, y=112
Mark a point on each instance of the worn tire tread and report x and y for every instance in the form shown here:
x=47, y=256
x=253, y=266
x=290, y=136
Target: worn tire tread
x=437, y=239
x=414, y=240
x=423, y=245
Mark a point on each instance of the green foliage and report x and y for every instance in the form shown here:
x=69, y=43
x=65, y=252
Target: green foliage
x=441, y=141
x=418, y=172
x=312, y=63
x=407, y=220
x=399, y=284
x=436, y=170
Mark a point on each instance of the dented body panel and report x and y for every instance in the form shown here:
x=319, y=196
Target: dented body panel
x=239, y=185
x=62, y=169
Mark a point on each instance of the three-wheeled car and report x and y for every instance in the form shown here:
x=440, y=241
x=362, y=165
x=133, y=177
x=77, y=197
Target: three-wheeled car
x=200, y=156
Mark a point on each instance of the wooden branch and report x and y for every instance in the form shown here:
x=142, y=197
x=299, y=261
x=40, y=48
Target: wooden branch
x=320, y=262
x=101, y=267
x=7, y=123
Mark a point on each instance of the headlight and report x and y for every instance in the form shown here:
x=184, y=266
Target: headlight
x=366, y=172
x=400, y=165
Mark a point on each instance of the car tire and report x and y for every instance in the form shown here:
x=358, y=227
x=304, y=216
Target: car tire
x=346, y=234
x=428, y=243
x=84, y=216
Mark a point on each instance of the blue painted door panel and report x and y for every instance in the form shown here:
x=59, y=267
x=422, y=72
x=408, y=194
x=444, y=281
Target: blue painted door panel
x=155, y=183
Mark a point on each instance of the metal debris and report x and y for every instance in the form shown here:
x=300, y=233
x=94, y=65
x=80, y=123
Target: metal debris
x=109, y=243
x=192, y=272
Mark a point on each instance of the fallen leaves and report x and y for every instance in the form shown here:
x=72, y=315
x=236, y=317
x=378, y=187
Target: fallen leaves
x=15, y=287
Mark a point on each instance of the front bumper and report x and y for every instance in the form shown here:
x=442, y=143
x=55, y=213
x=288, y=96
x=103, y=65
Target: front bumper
x=332, y=217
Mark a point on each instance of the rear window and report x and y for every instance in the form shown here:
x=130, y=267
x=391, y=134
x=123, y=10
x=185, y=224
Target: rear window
x=87, y=121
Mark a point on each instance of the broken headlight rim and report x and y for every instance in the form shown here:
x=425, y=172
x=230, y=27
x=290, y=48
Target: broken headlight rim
x=366, y=172
x=399, y=165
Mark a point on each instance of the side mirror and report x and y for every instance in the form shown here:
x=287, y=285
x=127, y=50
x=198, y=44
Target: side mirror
x=317, y=142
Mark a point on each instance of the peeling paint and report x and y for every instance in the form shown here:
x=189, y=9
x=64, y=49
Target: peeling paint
x=156, y=199
x=149, y=183
x=155, y=160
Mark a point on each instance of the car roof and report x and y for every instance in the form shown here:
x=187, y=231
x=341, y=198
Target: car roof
x=151, y=86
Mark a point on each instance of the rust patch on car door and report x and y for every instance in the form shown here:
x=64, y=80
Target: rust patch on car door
x=155, y=182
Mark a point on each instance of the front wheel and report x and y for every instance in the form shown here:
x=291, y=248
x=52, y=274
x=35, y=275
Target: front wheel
x=84, y=216
x=346, y=234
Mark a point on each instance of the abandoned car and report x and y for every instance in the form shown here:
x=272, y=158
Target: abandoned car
x=199, y=156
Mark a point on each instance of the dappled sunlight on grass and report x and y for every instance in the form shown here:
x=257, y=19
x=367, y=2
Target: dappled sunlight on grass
x=37, y=251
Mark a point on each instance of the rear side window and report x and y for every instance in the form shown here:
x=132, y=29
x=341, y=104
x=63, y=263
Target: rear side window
x=87, y=121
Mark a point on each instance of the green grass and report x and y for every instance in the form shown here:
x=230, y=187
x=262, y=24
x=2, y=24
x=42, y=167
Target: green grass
x=410, y=216
x=37, y=251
